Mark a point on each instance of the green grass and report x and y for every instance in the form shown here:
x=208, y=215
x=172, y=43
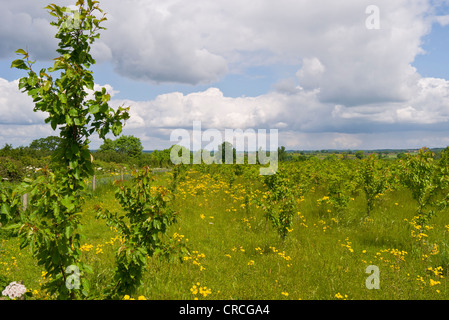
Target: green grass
x=237, y=254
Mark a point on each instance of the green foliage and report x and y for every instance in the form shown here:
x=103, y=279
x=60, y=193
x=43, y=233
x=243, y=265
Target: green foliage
x=179, y=174
x=282, y=202
x=50, y=226
x=143, y=227
x=418, y=174
x=341, y=181
x=162, y=157
x=10, y=169
x=129, y=146
x=373, y=179
x=360, y=154
x=226, y=153
x=49, y=143
x=282, y=154
x=10, y=203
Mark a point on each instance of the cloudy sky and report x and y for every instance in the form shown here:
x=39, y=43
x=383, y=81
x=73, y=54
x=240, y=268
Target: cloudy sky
x=326, y=74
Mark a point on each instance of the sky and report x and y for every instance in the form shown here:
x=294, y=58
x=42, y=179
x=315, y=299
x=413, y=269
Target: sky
x=347, y=74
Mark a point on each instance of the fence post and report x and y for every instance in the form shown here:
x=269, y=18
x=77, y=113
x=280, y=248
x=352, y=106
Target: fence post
x=24, y=201
x=93, y=183
x=121, y=174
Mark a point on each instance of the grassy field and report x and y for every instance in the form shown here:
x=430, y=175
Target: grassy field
x=235, y=253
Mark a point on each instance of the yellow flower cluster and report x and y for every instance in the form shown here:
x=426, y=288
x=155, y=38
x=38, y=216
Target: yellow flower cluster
x=179, y=237
x=197, y=288
x=127, y=297
x=247, y=221
x=348, y=245
x=88, y=247
x=338, y=295
x=283, y=255
x=391, y=256
x=418, y=232
x=195, y=258
x=322, y=223
x=234, y=249
x=302, y=220
x=434, y=276
x=437, y=272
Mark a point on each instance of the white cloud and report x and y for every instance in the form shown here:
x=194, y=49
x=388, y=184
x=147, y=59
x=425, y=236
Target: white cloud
x=311, y=73
x=351, y=81
x=200, y=41
x=302, y=120
x=16, y=107
x=23, y=24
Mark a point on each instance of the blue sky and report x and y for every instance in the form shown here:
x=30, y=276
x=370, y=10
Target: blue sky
x=435, y=62
x=310, y=69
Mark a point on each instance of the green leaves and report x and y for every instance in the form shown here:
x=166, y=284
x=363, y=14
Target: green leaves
x=148, y=217
x=10, y=204
x=373, y=179
x=19, y=64
x=419, y=173
x=50, y=226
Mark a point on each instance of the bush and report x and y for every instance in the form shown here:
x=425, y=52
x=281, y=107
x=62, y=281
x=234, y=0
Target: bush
x=10, y=169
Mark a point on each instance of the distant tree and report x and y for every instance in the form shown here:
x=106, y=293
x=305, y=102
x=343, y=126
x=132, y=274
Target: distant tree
x=180, y=154
x=360, y=154
x=125, y=145
x=10, y=169
x=108, y=145
x=401, y=155
x=6, y=150
x=225, y=150
x=162, y=157
x=282, y=154
x=129, y=145
x=50, y=143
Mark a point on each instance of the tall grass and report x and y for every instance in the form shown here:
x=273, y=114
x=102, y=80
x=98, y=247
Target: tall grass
x=237, y=254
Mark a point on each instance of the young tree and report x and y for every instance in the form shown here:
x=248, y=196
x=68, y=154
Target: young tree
x=50, y=226
x=373, y=179
x=282, y=154
x=418, y=174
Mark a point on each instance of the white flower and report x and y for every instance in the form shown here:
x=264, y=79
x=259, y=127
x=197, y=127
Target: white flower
x=14, y=290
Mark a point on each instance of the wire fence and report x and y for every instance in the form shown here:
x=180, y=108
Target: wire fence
x=103, y=180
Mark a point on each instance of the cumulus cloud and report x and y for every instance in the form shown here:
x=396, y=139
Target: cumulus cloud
x=16, y=107
x=351, y=82
x=23, y=24
x=19, y=124
x=311, y=73
x=200, y=41
x=298, y=112
x=302, y=119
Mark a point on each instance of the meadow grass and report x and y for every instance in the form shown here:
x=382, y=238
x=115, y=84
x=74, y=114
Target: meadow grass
x=235, y=253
